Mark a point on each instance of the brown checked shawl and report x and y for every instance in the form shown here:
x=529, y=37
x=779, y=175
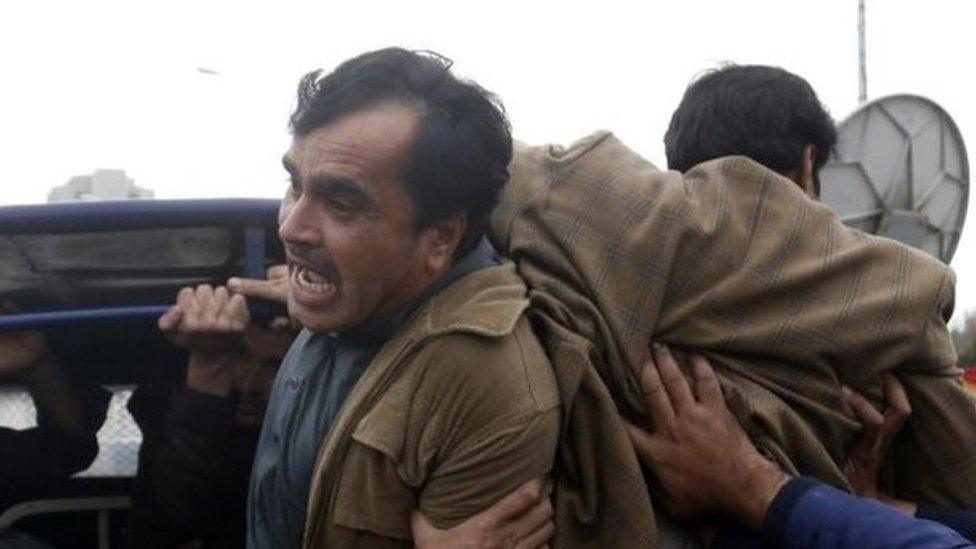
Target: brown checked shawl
x=733, y=261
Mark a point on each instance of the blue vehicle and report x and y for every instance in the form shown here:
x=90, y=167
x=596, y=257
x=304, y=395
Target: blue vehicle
x=94, y=277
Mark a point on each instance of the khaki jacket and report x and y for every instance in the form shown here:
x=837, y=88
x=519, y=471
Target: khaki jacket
x=455, y=412
x=733, y=261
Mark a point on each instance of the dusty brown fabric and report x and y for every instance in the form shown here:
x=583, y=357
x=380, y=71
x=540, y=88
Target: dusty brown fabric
x=735, y=262
x=455, y=412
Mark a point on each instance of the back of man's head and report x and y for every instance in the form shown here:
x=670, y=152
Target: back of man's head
x=765, y=113
x=463, y=144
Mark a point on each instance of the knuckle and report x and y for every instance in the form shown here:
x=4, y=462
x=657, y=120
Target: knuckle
x=672, y=378
x=651, y=389
x=547, y=508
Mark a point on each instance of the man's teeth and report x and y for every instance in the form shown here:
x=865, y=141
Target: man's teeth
x=314, y=281
x=314, y=277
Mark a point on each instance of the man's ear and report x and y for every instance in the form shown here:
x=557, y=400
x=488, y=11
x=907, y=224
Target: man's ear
x=809, y=181
x=443, y=239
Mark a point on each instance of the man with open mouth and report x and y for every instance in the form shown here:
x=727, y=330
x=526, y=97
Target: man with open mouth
x=417, y=383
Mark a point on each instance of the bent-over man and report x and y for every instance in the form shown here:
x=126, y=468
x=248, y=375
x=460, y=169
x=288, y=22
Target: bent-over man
x=733, y=260
x=870, y=306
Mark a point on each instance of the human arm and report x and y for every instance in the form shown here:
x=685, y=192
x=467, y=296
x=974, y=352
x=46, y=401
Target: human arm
x=203, y=442
x=68, y=416
x=522, y=520
x=274, y=288
x=496, y=432
x=939, y=437
x=467, y=424
x=863, y=466
x=960, y=520
x=706, y=463
x=196, y=478
x=214, y=324
x=24, y=357
x=210, y=323
x=808, y=513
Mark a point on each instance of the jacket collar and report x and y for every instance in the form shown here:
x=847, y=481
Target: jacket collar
x=486, y=302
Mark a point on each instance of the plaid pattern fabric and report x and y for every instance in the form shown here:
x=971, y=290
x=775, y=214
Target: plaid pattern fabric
x=733, y=261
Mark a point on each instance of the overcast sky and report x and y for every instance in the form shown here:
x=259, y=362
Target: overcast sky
x=89, y=85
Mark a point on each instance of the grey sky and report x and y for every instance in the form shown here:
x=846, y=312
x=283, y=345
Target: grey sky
x=115, y=84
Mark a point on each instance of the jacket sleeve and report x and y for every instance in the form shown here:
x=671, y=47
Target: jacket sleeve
x=496, y=431
x=45, y=450
x=939, y=436
x=960, y=520
x=199, y=470
x=809, y=514
x=39, y=452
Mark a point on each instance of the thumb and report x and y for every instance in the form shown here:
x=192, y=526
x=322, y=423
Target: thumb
x=170, y=319
x=422, y=529
x=642, y=440
x=261, y=289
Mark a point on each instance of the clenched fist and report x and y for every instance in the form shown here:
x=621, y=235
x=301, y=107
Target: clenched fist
x=206, y=319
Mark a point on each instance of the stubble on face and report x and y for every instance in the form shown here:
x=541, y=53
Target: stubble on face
x=347, y=223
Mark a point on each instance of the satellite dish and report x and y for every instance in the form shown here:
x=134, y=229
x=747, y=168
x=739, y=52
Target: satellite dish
x=900, y=170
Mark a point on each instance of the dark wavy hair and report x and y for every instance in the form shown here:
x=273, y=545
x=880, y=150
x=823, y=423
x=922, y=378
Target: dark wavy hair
x=765, y=113
x=463, y=144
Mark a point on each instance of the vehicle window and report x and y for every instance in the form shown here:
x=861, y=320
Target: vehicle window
x=118, y=439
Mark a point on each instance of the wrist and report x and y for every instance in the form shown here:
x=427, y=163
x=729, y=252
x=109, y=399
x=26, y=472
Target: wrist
x=762, y=480
x=904, y=506
x=211, y=372
x=39, y=371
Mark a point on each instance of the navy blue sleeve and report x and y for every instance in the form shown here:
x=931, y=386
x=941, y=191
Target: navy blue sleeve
x=809, y=514
x=736, y=536
x=960, y=520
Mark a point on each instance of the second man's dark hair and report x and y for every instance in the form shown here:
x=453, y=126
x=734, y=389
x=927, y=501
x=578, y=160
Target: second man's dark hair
x=765, y=113
x=463, y=143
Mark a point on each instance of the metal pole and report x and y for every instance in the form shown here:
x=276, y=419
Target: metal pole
x=862, y=95
x=104, y=534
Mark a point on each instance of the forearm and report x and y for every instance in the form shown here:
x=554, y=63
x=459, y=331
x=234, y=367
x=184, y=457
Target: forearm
x=809, y=514
x=55, y=399
x=39, y=452
x=212, y=372
x=477, y=476
x=202, y=462
x=960, y=520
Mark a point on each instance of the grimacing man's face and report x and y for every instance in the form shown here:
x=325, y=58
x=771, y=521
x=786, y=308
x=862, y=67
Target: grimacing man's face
x=353, y=252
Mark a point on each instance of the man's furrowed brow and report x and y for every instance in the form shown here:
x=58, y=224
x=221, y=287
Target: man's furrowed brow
x=337, y=185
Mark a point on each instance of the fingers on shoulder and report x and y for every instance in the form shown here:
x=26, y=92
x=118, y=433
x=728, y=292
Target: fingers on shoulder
x=896, y=395
x=706, y=382
x=866, y=413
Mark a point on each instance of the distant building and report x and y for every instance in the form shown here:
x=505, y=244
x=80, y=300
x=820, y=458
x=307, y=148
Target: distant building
x=101, y=185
